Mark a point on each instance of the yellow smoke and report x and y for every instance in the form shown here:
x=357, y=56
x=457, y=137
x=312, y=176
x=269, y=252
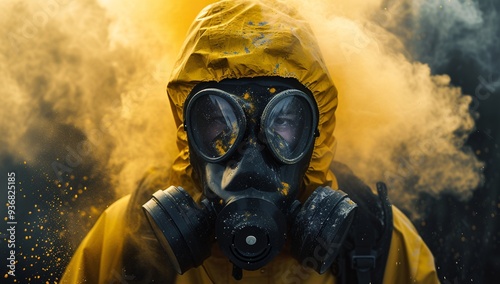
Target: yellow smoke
x=102, y=67
x=396, y=122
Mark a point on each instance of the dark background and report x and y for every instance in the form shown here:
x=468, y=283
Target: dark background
x=462, y=234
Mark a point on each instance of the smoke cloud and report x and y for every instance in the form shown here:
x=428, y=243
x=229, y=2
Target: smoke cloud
x=102, y=67
x=449, y=27
x=396, y=122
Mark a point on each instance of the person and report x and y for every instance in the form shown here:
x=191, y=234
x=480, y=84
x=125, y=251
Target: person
x=254, y=195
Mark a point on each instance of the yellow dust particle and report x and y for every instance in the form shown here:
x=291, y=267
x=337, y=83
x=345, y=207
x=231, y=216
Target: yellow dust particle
x=94, y=210
x=85, y=178
x=272, y=90
x=80, y=191
x=24, y=162
x=285, y=188
x=76, y=195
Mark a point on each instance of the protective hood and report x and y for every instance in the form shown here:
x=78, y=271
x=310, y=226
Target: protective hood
x=247, y=39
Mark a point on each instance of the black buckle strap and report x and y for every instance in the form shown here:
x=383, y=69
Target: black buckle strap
x=363, y=262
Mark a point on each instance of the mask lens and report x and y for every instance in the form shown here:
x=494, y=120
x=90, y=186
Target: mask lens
x=214, y=122
x=289, y=122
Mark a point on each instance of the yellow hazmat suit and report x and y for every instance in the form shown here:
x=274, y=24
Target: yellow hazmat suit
x=236, y=39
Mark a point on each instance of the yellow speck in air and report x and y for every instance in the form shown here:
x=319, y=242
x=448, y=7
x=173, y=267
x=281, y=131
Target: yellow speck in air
x=272, y=90
x=24, y=162
x=285, y=188
x=246, y=95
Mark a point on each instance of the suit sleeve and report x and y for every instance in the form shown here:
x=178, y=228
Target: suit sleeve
x=410, y=260
x=98, y=258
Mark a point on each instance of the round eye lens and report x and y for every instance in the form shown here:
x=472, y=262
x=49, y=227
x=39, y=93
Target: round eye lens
x=288, y=124
x=214, y=123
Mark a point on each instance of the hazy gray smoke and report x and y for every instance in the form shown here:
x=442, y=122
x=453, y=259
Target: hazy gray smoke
x=439, y=31
x=456, y=26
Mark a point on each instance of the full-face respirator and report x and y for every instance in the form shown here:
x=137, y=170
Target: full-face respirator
x=250, y=145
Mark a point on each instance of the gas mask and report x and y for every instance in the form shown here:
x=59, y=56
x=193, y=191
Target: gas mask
x=250, y=144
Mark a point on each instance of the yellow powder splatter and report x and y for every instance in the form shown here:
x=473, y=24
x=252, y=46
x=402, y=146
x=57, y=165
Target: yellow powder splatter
x=285, y=188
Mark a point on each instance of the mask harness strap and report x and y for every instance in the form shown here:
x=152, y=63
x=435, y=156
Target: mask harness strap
x=363, y=261
x=362, y=258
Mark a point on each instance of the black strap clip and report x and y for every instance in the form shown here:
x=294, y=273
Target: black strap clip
x=363, y=263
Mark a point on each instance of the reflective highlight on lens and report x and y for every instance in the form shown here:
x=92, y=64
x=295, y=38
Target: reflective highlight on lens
x=215, y=123
x=288, y=125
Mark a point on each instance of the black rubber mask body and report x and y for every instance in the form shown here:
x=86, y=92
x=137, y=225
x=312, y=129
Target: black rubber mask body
x=253, y=176
x=250, y=145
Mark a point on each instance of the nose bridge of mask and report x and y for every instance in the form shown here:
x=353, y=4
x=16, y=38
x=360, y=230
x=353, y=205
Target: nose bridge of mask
x=251, y=170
